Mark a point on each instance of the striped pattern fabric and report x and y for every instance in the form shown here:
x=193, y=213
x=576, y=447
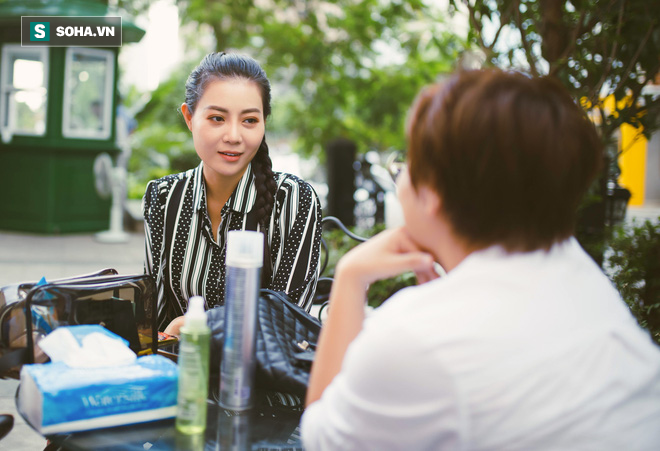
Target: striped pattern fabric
x=191, y=261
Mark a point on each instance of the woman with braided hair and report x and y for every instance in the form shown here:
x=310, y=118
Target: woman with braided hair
x=188, y=215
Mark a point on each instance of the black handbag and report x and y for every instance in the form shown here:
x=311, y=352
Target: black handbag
x=123, y=304
x=286, y=338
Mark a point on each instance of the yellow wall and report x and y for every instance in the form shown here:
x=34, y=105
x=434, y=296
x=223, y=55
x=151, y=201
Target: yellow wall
x=632, y=160
x=633, y=163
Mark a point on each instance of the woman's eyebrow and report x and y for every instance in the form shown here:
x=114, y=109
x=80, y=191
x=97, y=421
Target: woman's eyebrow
x=224, y=110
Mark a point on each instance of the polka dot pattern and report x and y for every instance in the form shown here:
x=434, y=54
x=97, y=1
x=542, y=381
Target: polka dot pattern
x=194, y=264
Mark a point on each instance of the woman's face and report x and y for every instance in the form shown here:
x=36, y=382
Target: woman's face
x=227, y=127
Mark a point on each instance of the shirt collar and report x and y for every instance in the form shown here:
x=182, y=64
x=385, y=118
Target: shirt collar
x=241, y=200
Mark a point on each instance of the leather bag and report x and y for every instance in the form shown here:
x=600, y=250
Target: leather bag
x=286, y=338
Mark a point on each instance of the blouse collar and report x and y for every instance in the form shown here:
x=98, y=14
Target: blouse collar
x=241, y=200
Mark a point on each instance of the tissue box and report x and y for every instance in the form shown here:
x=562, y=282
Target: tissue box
x=56, y=398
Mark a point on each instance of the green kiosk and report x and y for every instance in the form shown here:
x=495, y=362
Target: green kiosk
x=57, y=115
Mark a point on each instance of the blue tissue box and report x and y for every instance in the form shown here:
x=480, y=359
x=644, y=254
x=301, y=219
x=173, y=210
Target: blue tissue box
x=55, y=398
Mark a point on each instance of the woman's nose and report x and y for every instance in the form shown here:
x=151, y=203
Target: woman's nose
x=232, y=134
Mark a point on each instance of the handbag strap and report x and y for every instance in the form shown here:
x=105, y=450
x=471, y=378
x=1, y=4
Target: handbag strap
x=24, y=355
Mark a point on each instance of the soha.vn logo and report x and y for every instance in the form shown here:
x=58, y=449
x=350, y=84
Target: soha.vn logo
x=39, y=31
x=85, y=31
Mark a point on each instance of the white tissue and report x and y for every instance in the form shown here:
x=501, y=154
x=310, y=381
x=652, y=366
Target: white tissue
x=95, y=349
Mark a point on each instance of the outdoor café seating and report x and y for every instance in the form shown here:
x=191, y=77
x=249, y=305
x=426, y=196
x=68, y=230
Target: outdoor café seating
x=273, y=423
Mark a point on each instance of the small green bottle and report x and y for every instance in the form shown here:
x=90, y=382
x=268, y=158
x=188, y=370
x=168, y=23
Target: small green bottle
x=193, y=369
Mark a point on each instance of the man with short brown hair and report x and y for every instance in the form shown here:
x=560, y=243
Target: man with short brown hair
x=524, y=344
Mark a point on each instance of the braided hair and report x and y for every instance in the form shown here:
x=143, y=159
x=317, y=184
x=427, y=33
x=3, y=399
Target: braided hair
x=223, y=66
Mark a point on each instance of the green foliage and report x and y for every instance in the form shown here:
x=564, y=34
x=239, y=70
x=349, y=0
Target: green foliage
x=155, y=148
x=383, y=289
x=339, y=243
x=338, y=68
x=595, y=48
x=351, y=68
x=635, y=270
x=598, y=50
x=162, y=143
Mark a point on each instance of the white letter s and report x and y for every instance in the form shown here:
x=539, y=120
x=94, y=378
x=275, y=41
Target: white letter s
x=39, y=31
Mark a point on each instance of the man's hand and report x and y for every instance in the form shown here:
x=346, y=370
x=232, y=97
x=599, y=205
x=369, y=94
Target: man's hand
x=387, y=254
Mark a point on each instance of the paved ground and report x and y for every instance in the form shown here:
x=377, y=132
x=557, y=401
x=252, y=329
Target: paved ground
x=640, y=214
x=25, y=257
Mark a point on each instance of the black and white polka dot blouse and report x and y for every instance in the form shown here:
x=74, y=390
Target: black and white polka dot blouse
x=192, y=262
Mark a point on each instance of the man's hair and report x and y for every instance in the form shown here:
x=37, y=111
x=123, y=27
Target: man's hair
x=510, y=157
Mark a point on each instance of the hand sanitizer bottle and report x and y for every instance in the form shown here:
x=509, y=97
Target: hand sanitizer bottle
x=193, y=369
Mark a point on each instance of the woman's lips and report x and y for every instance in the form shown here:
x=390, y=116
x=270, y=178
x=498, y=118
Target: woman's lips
x=230, y=156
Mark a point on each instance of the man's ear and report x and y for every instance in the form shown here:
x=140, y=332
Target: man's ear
x=431, y=201
x=187, y=115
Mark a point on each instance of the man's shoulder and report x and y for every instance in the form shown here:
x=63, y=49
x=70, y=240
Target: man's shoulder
x=410, y=304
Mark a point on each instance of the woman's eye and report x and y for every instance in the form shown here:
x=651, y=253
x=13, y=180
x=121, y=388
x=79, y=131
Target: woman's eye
x=251, y=120
x=217, y=118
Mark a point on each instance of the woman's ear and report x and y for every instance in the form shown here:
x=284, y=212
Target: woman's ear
x=187, y=115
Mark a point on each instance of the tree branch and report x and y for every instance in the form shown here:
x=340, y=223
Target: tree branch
x=633, y=61
x=523, y=37
x=637, y=92
x=577, y=30
x=474, y=23
x=503, y=22
x=595, y=91
x=552, y=29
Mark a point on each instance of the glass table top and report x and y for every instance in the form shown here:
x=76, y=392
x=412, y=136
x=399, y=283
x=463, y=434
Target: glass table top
x=273, y=424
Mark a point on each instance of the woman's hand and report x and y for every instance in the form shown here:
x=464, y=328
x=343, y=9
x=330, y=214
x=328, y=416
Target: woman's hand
x=174, y=327
x=387, y=254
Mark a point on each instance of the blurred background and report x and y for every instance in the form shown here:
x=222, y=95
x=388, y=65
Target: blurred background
x=84, y=129
x=343, y=73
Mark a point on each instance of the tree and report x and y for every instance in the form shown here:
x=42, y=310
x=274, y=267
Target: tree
x=596, y=48
x=352, y=68
x=634, y=267
x=603, y=51
x=340, y=69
